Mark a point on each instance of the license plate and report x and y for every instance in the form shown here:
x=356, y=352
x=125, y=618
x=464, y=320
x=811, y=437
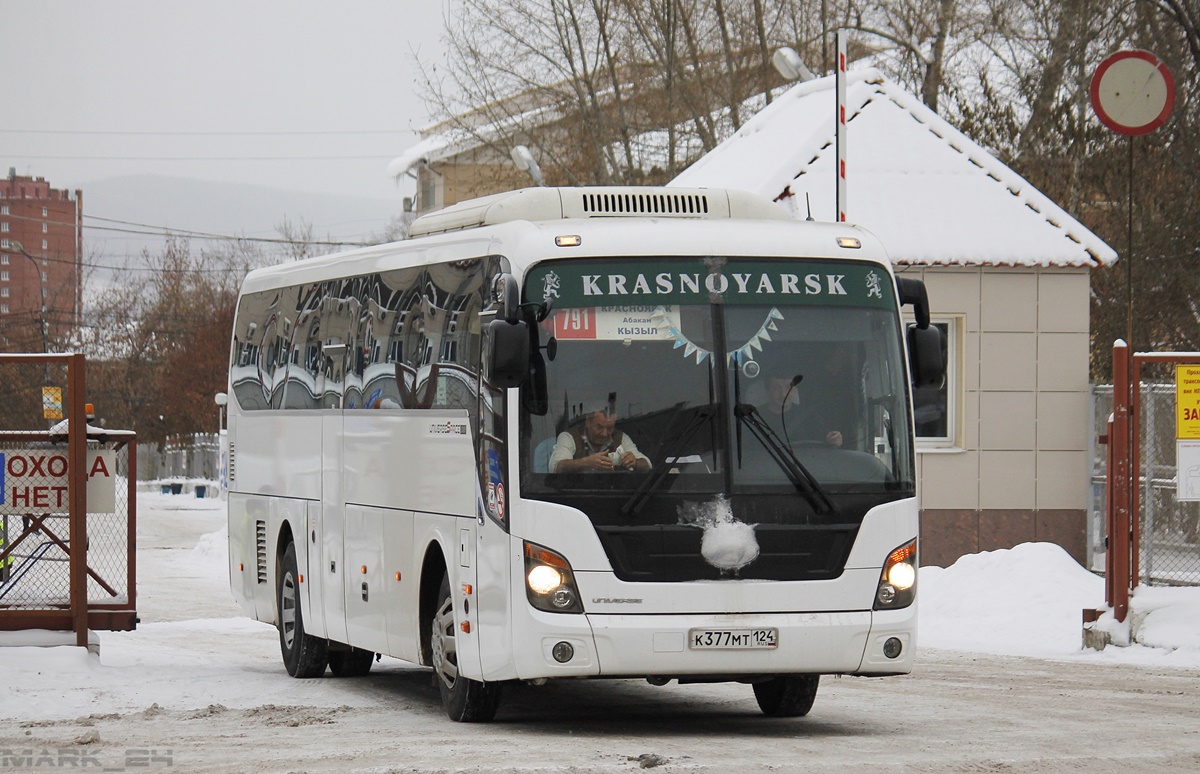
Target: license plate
x=733, y=639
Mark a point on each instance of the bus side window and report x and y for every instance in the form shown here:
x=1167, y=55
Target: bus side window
x=254, y=364
x=305, y=373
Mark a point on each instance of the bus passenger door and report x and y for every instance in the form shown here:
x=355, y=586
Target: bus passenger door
x=494, y=605
x=493, y=495
x=470, y=649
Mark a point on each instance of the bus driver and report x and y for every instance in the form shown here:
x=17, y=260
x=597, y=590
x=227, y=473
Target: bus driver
x=596, y=445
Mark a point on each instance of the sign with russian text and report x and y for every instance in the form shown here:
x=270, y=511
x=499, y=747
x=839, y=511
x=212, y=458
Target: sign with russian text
x=35, y=481
x=615, y=322
x=1187, y=402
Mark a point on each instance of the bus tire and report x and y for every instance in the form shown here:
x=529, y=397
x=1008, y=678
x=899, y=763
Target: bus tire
x=787, y=696
x=465, y=700
x=303, y=654
x=355, y=662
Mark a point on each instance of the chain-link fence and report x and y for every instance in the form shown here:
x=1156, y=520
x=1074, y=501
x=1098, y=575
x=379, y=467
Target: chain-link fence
x=36, y=525
x=1169, y=529
x=42, y=526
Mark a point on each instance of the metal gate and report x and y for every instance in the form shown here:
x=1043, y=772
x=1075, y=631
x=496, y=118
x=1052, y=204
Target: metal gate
x=1151, y=536
x=67, y=518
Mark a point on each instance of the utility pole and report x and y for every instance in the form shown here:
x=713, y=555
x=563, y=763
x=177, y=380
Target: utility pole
x=42, y=289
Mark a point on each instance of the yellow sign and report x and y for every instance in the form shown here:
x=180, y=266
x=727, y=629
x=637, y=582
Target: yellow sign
x=1187, y=402
x=52, y=403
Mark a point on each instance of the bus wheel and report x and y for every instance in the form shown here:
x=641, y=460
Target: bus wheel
x=787, y=696
x=465, y=700
x=350, y=663
x=303, y=654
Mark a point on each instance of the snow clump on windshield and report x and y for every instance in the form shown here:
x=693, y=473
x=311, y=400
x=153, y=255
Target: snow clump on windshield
x=727, y=544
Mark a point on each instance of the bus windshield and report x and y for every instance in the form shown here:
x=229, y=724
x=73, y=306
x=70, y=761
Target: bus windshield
x=778, y=383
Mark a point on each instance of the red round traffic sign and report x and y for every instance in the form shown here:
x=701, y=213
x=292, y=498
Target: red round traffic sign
x=1132, y=92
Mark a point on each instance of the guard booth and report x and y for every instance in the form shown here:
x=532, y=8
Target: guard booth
x=67, y=504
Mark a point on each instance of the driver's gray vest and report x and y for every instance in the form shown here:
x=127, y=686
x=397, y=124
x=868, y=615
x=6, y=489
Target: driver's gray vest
x=583, y=448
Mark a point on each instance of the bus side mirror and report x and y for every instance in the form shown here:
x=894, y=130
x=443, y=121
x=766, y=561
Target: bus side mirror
x=507, y=295
x=912, y=291
x=925, y=356
x=508, y=353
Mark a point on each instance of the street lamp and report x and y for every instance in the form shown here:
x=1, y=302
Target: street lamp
x=221, y=399
x=789, y=64
x=526, y=162
x=42, y=288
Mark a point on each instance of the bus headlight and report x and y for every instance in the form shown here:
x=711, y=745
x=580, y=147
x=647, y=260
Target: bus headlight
x=898, y=581
x=549, y=582
x=543, y=579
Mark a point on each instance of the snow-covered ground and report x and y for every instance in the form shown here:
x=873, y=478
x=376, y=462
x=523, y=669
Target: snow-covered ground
x=194, y=649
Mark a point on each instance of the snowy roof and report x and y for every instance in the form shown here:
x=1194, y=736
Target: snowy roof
x=433, y=147
x=931, y=194
x=448, y=139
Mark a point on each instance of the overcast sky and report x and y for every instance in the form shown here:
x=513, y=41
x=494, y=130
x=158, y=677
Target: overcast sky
x=97, y=90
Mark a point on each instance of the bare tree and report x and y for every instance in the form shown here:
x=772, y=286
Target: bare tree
x=608, y=91
x=158, y=341
x=632, y=91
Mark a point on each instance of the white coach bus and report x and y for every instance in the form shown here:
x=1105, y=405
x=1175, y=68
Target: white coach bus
x=563, y=433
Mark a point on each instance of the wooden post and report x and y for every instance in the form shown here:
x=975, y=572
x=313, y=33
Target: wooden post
x=131, y=526
x=77, y=508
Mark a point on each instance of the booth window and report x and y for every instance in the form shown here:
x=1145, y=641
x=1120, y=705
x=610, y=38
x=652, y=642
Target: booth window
x=935, y=409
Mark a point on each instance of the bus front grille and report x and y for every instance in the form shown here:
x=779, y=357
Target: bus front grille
x=672, y=553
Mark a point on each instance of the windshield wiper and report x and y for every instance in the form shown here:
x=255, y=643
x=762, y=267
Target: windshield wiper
x=804, y=481
x=701, y=415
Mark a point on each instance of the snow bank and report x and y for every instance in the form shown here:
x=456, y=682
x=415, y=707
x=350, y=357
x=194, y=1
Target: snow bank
x=1023, y=601
x=1028, y=601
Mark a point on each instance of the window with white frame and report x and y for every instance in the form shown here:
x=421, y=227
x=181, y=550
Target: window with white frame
x=44, y=244
x=3, y=209
x=4, y=227
x=3, y=292
x=45, y=212
x=45, y=228
x=935, y=409
x=3, y=276
x=4, y=259
x=3, y=308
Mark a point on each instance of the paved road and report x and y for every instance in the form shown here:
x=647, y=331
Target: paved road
x=957, y=712
x=240, y=711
